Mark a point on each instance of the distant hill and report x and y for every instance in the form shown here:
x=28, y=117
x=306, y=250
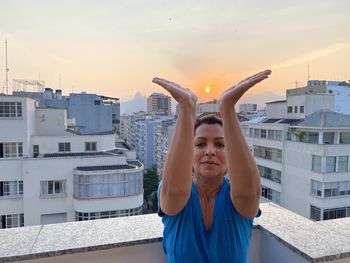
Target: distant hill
x=138, y=103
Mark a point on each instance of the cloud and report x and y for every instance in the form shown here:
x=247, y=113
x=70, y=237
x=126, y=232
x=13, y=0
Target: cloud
x=320, y=53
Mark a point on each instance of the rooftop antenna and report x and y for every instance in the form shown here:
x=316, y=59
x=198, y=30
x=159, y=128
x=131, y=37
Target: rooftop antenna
x=7, y=70
x=308, y=72
x=59, y=82
x=296, y=83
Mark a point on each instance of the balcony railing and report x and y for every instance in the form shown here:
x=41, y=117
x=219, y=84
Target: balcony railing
x=279, y=236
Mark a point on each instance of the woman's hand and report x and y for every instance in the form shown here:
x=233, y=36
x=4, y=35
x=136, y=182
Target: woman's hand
x=230, y=97
x=183, y=96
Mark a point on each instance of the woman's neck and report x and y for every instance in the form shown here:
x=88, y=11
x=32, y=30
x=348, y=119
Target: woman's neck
x=207, y=188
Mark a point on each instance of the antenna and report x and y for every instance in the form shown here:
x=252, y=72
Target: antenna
x=7, y=70
x=308, y=72
x=297, y=83
x=59, y=82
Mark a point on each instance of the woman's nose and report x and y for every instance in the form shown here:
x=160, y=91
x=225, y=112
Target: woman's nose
x=210, y=150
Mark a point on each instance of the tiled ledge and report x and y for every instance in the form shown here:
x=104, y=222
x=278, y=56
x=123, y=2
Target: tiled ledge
x=312, y=241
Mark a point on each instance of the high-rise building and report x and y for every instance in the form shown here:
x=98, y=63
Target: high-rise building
x=302, y=147
x=50, y=173
x=159, y=104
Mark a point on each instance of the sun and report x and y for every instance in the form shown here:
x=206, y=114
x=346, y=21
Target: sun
x=207, y=89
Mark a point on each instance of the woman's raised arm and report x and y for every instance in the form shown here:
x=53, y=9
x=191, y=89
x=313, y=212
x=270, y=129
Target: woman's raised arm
x=242, y=169
x=177, y=173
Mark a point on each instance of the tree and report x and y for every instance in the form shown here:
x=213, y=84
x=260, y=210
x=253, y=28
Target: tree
x=150, y=187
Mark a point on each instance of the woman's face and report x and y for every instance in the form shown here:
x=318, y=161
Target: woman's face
x=209, y=151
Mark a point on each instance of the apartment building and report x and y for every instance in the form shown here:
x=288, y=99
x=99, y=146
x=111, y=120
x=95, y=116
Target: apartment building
x=158, y=103
x=302, y=149
x=91, y=113
x=165, y=128
x=51, y=174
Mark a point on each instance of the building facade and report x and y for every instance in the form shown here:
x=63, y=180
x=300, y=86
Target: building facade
x=159, y=104
x=92, y=113
x=301, y=148
x=50, y=174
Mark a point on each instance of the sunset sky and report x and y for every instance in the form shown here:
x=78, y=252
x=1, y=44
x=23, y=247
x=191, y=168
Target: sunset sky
x=115, y=48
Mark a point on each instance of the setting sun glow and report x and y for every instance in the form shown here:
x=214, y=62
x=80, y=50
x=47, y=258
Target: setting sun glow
x=207, y=89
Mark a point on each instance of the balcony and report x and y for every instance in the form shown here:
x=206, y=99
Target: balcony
x=279, y=236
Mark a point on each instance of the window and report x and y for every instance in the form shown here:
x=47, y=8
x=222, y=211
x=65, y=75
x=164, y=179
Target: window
x=311, y=137
x=278, y=135
x=49, y=188
x=334, y=213
x=270, y=174
x=118, y=184
x=11, y=188
x=301, y=109
x=11, y=221
x=64, y=147
x=256, y=133
x=330, y=164
x=328, y=137
x=316, y=163
x=11, y=150
x=10, y=109
x=271, y=134
x=295, y=109
x=90, y=146
x=330, y=189
x=268, y=153
x=107, y=214
x=344, y=138
x=316, y=188
x=263, y=133
x=289, y=109
x=97, y=102
x=35, y=151
x=342, y=163
x=315, y=213
x=270, y=194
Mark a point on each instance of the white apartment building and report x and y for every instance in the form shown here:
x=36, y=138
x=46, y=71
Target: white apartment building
x=49, y=174
x=207, y=107
x=248, y=107
x=142, y=138
x=164, y=133
x=302, y=150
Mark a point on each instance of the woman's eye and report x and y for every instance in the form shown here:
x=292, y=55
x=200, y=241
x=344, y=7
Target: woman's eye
x=220, y=145
x=200, y=144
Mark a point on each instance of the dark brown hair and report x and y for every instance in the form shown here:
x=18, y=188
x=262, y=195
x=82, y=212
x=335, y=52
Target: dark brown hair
x=207, y=119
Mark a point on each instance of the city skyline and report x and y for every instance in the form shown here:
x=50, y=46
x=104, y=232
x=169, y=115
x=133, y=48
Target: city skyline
x=117, y=48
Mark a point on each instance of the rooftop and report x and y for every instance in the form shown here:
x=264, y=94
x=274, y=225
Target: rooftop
x=81, y=154
x=104, y=167
x=326, y=118
x=279, y=236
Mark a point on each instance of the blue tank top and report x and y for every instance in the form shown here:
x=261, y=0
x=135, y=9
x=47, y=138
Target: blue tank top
x=185, y=238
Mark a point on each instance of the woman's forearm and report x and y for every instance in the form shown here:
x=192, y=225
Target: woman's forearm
x=177, y=173
x=242, y=169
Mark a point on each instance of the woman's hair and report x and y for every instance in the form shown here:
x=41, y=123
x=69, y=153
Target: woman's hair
x=207, y=119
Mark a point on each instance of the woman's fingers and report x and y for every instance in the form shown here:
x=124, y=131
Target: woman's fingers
x=234, y=93
x=179, y=93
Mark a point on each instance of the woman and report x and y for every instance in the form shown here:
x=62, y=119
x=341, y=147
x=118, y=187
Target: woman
x=206, y=217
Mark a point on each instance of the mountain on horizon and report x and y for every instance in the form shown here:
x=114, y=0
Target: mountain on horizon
x=137, y=103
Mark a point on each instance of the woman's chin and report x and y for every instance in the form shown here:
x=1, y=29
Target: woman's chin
x=211, y=175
